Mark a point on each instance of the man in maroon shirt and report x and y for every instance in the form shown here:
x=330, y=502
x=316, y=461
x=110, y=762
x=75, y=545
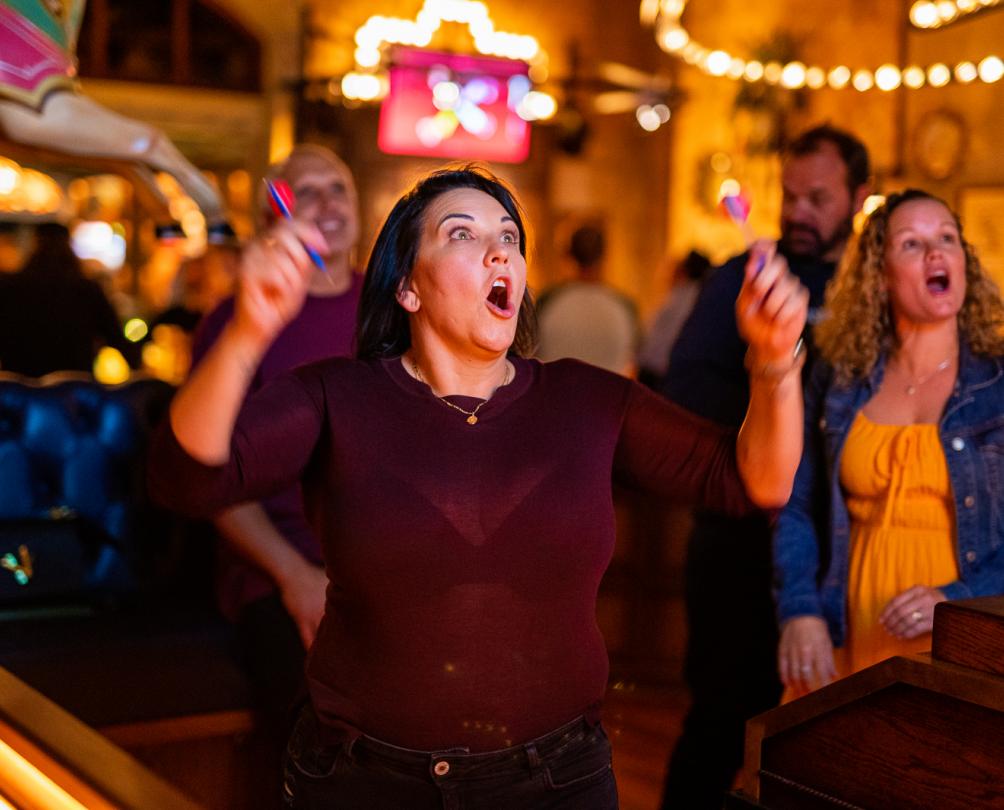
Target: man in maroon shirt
x=271, y=581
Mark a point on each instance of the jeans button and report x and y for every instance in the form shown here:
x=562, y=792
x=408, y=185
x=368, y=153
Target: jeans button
x=958, y=444
x=441, y=768
x=970, y=556
x=969, y=501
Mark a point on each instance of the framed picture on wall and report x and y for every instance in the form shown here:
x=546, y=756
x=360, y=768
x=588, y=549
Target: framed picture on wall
x=981, y=209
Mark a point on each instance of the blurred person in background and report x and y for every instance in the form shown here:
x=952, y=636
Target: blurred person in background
x=52, y=317
x=586, y=318
x=201, y=284
x=688, y=278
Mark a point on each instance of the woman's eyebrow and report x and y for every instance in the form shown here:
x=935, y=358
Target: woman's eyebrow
x=454, y=216
x=504, y=218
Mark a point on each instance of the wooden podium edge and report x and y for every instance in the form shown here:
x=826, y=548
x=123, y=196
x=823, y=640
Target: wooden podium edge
x=962, y=683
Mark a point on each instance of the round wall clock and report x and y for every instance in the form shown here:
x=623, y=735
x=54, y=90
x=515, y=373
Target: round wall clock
x=939, y=144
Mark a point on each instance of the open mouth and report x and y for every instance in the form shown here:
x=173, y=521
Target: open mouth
x=937, y=282
x=499, y=295
x=330, y=226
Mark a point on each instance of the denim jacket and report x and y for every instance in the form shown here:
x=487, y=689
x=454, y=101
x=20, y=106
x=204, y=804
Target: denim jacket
x=812, y=536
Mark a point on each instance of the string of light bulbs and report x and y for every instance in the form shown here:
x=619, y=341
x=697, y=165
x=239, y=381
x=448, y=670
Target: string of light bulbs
x=927, y=14
x=672, y=37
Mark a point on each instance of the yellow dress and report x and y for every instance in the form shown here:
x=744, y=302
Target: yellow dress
x=896, y=485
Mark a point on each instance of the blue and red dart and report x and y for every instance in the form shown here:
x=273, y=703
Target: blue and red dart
x=737, y=205
x=283, y=202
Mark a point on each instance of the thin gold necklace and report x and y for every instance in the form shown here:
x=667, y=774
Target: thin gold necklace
x=472, y=416
x=912, y=387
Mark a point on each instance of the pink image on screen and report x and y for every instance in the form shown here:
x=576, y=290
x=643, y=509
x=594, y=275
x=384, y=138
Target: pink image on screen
x=448, y=105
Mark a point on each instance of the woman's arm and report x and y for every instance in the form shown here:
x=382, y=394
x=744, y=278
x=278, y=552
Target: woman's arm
x=301, y=583
x=805, y=651
x=273, y=440
x=770, y=312
x=273, y=278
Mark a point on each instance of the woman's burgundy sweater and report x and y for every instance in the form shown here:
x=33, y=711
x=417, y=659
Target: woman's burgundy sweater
x=464, y=560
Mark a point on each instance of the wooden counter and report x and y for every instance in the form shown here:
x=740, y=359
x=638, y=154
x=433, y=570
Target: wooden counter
x=924, y=731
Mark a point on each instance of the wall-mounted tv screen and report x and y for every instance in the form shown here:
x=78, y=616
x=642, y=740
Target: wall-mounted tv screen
x=455, y=106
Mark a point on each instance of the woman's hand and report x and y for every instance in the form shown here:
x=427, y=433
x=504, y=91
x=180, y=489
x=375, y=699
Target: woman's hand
x=273, y=278
x=771, y=311
x=805, y=654
x=911, y=613
x=303, y=596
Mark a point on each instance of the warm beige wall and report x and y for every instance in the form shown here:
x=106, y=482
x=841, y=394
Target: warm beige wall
x=980, y=106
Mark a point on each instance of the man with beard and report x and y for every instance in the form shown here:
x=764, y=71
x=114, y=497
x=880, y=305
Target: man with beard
x=270, y=581
x=731, y=664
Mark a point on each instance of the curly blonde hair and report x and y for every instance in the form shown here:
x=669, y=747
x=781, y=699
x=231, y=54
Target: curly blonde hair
x=858, y=327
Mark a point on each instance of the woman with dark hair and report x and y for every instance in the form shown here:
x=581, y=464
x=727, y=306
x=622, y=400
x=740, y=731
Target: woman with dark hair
x=896, y=505
x=463, y=497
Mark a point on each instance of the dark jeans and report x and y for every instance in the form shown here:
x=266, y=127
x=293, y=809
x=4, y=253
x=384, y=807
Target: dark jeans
x=731, y=666
x=567, y=769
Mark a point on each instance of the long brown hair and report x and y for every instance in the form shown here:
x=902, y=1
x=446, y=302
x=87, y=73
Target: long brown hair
x=858, y=327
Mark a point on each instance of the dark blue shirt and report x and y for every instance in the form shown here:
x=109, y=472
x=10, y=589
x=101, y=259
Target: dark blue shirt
x=706, y=373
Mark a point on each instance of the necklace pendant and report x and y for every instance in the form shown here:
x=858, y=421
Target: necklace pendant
x=472, y=419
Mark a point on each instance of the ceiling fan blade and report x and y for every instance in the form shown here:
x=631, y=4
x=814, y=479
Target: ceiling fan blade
x=626, y=76
x=616, y=101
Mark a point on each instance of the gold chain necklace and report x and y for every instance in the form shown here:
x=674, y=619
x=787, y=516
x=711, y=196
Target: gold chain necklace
x=472, y=416
x=912, y=387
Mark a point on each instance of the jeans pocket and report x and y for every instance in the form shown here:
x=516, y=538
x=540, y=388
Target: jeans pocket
x=306, y=755
x=579, y=765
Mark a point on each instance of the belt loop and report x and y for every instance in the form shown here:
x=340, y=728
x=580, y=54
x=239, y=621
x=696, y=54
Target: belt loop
x=532, y=756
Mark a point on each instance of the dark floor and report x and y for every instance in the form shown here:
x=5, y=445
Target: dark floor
x=643, y=725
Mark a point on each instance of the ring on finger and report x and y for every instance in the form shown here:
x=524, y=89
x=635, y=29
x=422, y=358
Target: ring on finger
x=916, y=616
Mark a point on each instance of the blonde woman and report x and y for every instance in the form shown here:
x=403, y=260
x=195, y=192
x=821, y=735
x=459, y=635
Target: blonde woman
x=898, y=499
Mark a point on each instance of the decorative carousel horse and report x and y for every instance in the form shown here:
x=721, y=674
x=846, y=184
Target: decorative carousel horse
x=41, y=106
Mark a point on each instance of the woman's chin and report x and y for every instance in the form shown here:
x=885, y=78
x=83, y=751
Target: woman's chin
x=497, y=342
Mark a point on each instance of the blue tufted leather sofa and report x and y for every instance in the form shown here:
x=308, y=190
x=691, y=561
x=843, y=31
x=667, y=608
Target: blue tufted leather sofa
x=113, y=617
x=75, y=523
